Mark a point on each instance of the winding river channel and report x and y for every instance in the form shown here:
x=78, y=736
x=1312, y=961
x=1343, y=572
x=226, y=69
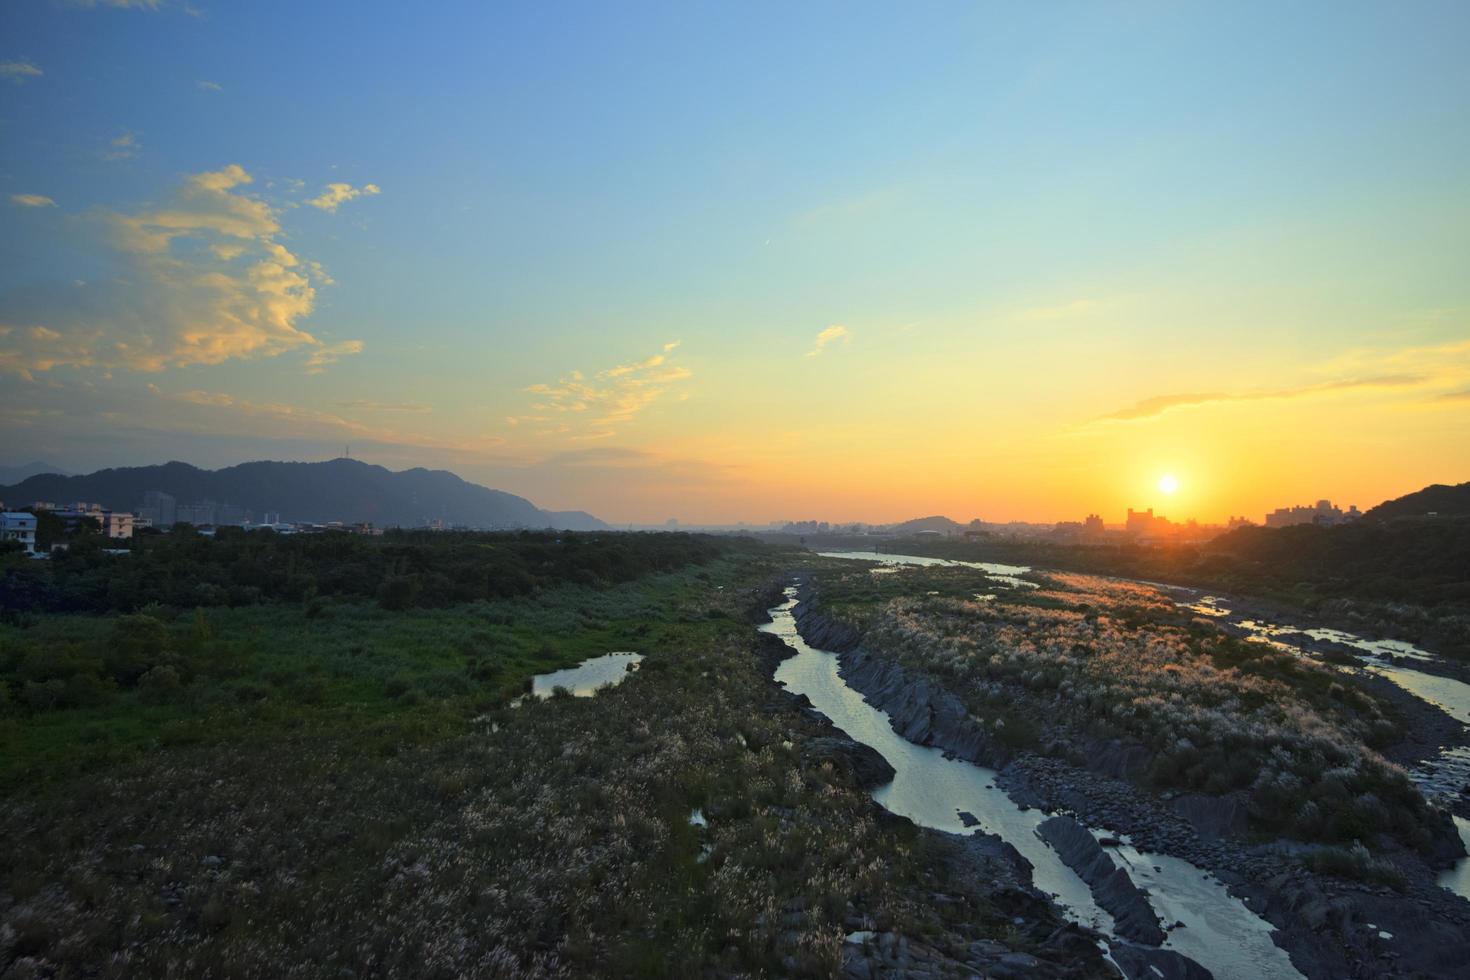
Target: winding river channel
x=1221, y=934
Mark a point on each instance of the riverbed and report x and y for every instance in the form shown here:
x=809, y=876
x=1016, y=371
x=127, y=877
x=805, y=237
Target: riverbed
x=934, y=791
x=1446, y=775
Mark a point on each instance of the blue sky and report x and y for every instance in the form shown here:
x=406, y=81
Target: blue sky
x=1025, y=217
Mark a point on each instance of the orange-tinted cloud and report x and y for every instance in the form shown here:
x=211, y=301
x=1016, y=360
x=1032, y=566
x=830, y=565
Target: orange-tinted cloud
x=204, y=280
x=1151, y=407
x=828, y=336
x=583, y=408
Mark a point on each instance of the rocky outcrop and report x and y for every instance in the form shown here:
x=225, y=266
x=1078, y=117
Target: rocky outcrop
x=1132, y=914
x=918, y=708
x=771, y=651
x=820, y=631
x=863, y=763
x=1110, y=757
x=1140, y=963
x=1212, y=816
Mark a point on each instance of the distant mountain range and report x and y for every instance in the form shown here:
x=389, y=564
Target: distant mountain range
x=1438, y=498
x=14, y=474
x=337, y=490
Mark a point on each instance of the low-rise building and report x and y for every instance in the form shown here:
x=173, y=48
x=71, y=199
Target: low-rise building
x=19, y=525
x=112, y=523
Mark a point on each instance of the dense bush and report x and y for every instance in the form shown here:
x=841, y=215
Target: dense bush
x=402, y=569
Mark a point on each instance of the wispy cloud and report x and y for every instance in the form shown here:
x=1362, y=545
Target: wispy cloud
x=32, y=201
x=828, y=336
x=124, y=146
x=338, y=194
x=1153, y=407
x=579, y=407
x=299, y=420
x=202, y=279
x=320, y=357
x=205, y=85
x=122, y=4
x=19, y=71
x=220, y=412
x=407, y=408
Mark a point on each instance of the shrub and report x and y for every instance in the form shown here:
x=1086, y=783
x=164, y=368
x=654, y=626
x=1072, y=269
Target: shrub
x=398, y=592
x=1355, y=863
x=135, y=646
x=160, y=684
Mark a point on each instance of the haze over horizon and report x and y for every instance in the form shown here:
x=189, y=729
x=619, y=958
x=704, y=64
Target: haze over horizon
x=959, y=515
x=1014, y=262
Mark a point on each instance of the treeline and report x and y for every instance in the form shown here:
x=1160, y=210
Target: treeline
x=401, y=569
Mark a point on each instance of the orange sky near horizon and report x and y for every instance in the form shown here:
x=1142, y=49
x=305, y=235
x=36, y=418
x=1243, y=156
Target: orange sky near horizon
x=715, y=267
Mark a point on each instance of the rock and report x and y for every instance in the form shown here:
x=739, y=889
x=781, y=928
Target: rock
x=864, y=763
x=1212, y=817
x=211, y=861
x=1110, y=884
x=968, y=819
x=1139, y=963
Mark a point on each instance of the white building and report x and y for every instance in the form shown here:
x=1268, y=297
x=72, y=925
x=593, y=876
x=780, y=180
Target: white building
x=19, y=526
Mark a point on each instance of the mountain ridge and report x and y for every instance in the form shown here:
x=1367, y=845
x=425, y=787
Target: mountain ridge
x=1437, y=498
x=340, y=489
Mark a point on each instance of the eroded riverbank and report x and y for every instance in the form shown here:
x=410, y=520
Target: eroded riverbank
x=1332, y=927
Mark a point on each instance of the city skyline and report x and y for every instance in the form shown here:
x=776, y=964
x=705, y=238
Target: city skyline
x=1011, y=261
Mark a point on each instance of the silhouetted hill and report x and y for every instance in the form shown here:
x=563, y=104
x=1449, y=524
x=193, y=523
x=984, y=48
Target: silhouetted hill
x=574, y=520
x=336, y=490
x=941, y=524
x=1439, y=499
x=15, y=474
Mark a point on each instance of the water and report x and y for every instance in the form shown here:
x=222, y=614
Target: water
x=1457, y=879
x=1213, y=919
x=1006, y=574
x=1445, y=692
x=588, y=677
x=928, y=788
x=932, y=790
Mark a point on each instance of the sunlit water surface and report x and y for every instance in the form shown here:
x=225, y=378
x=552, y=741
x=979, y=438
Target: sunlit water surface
x=585, y=679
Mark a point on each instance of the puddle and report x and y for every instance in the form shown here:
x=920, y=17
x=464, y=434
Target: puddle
x=588, y=677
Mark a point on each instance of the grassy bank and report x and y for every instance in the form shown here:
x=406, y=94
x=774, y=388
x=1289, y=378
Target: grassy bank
x=85, y=690
x=347, y=792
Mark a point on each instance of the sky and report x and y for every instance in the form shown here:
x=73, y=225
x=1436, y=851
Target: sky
x=755, y=261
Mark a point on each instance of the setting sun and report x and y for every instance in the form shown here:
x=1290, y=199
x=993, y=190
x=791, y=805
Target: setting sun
x=1168, y=483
